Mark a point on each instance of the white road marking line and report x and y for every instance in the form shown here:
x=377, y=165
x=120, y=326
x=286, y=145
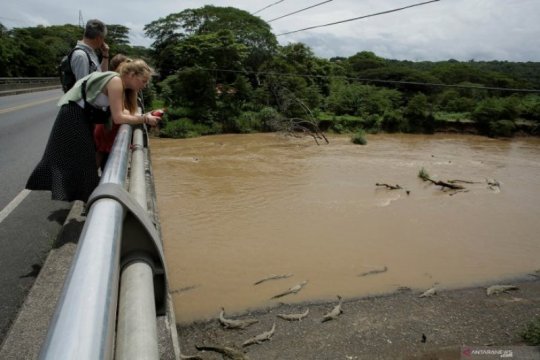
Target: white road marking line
x=13, y=204
x=23, y=106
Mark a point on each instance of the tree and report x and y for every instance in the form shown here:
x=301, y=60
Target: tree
x=365, y=60
x=246, y=29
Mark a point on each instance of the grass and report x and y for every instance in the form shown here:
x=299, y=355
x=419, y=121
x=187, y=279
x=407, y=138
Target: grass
x=423, y=174
x=359, y=137
x=531, y=334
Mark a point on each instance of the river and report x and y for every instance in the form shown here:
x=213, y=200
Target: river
x=235, y=209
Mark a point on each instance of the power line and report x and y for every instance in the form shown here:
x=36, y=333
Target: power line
x=399, y=82
x=360, y=17
x=266, y=7
x=296, y=12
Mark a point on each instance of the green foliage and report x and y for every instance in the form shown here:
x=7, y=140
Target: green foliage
x=365, y=60
x=185, y=128
x=268, y=118
x=359, y=137
x=223, y=69
x=418, y=114
x=247, y=122
x=362, y=100
x=492, y=110
x=36, y=51
x=246, y=29
x=423, y=174
x=529, y=107
x=393, y=121
x=531, y=334
x=502, y=128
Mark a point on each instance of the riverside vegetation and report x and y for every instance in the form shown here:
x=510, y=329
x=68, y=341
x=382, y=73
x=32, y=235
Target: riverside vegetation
x=241, y=80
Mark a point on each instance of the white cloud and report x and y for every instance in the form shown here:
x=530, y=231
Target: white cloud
x=459, y=29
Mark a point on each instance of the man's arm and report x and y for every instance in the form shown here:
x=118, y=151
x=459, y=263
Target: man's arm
x=105, y=57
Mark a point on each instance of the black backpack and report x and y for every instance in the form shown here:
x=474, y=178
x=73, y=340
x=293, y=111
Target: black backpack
x=67, y=77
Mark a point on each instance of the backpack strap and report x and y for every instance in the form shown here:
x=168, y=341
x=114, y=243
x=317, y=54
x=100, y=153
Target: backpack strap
x=90, y=62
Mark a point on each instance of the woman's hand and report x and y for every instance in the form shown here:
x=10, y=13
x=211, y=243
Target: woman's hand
x=151, y=119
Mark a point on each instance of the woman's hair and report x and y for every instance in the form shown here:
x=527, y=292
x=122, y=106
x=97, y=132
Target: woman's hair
x=137, y=67
x=116, y=61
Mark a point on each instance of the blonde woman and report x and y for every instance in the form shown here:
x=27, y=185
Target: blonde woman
x=68, y=166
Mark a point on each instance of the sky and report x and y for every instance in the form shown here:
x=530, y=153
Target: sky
x=464, y=30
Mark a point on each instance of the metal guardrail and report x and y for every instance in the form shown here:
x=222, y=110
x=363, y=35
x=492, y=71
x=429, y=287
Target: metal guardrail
x=14, y=83
x=117, y=236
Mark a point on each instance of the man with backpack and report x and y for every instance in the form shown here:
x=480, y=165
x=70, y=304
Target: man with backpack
x=83, y=58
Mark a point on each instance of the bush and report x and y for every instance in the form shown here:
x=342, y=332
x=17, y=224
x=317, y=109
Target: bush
x=185, y=128
x=359, y=138
x=504, y=128
x=393, y=121
x=531, y=334
x=268, y=119
x=247, y=122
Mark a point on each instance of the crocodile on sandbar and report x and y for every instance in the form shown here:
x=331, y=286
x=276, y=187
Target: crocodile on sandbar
x=235, y=324
x=257, y=339
x=497, y=289
x=335, y=312
x=429, y=292
x=293, y=317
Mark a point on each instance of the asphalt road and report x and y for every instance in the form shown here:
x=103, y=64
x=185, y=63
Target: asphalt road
x=29, y=221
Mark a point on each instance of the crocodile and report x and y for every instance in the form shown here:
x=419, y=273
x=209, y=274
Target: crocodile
x=376, y=271
x=293, y=290
x=235, y=324
x=429, y=292
x=335, y=312
x=257, y=339
x=496, y=289
x=294, y=317
x=273, y=277
x=226, y=351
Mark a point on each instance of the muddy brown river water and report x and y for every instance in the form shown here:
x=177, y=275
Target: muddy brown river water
x=235, y=209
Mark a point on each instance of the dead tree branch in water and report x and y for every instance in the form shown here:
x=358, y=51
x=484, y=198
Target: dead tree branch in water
x=425, y=176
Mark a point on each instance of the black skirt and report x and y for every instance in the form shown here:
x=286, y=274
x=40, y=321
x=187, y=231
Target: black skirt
x=68, y=166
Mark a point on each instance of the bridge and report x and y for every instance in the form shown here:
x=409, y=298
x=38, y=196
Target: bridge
x=102, y=291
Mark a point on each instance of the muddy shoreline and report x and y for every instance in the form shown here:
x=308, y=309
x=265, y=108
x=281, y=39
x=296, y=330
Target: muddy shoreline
x=394, y=326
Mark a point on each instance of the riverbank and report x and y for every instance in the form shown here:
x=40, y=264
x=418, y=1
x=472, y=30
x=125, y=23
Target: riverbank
x=395, y=326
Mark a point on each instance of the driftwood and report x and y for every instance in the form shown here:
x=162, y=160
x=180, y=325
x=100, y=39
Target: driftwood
x=425, y=176
x=445, y=184
x=297, y=125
